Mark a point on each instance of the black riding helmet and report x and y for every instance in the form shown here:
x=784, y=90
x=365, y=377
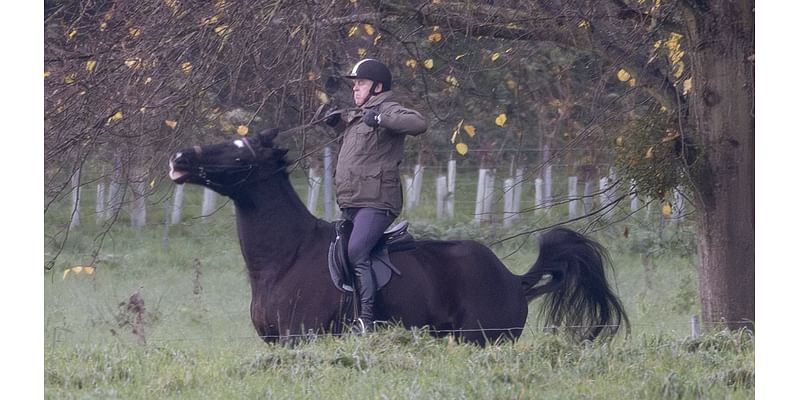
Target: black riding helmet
x=373, y=70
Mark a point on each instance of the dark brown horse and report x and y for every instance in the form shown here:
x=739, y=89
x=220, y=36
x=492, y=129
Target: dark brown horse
x=452, y=287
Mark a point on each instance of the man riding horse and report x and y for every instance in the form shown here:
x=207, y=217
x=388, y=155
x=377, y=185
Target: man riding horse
x=367, y=180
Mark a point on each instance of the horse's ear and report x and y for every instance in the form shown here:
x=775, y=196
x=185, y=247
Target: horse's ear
x=267, y=136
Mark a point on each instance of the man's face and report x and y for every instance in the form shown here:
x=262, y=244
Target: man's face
x=361, y=90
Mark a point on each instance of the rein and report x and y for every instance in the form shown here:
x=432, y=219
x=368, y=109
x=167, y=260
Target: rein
x=314, y=121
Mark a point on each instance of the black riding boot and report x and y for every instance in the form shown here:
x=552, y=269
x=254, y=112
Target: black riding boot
x=366, y=294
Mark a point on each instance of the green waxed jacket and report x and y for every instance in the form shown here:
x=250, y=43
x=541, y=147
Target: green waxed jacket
x=368, y=168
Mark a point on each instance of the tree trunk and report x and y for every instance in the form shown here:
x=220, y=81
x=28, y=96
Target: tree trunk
x=723, y=110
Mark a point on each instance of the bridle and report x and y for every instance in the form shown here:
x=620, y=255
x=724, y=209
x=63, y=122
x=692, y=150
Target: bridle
x=203, y=171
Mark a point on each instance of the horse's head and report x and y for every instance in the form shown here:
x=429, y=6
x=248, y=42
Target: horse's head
x=225, y=167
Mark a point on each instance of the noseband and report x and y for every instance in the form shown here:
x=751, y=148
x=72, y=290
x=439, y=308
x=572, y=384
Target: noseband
x=202, y=172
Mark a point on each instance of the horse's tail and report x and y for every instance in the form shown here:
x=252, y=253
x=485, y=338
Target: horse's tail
x=570, y=274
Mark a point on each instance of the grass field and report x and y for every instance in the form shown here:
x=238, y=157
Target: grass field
x=190, y=336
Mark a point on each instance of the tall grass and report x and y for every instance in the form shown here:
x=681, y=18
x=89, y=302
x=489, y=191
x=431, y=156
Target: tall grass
x=194, y=338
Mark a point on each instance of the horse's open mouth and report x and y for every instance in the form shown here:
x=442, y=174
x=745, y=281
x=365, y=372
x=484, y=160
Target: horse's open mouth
x=177, y=176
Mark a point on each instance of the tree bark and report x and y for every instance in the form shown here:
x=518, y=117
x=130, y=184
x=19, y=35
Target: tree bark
x=723, y=110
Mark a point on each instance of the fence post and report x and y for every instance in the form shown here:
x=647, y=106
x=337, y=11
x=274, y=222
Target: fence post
x=167, y=220
x=450, y=207
x=75, y=181
x=695, y=326
x=484, y=197
x=209, y=203
x=587, y=197
x=328, y=183
x=419, y=171
x=604, y=197
x=115, y=192
x=99, y=203
x=138, y=207
x=572, y=189
x=518, y=187
x=441, y=196
x=408, y=184
x=634, y=197
x=509, y=215
x=314, y=182
x=537, y=195
x=548, y=186
x=177, y=205
x=678, y=205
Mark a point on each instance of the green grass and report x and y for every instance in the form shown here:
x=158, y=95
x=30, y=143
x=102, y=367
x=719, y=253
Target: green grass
x=199, y=343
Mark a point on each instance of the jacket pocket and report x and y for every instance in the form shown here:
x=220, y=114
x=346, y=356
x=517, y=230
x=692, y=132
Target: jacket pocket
x=367, y=184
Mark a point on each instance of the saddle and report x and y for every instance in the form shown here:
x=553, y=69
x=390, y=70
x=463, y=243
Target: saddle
x=396, y=238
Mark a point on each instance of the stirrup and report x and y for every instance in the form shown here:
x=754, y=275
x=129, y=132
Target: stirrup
x=361, y=328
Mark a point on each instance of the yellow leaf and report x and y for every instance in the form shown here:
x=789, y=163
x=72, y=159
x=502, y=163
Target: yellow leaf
x=500, y=120
x=470, y=129
x=133, y=62
x=69, y=78
x=632, y=82
x=670, y=136
x=171, y=123
x=411, y=63
x=134, y=31
x=222, y=30
x=353, y=31
x=666, y=209
x=583, y=24
x=116, y=117
x=428, y=63
x=511, y=84
x=186, y=67
x=623, y=75
x=142, y=110
x=460, y=56
x=323, y=97
x=76, y=269
x=687, y=85
x=435, y=35
x=375, y=41
x=455, y=131
x=46, y=74
x=362, y=52
x=90, y=65
x=451, y=80
x=678, y=68
x=657, y=44
x=148, y=80
x=71, y=34
x=649, y=154
x=495, y=56
x=369, y=29
x=103, y=26
x=619, y=141
x=66, y=271
x=242, y=130
x=462, y=148
x=152, y=183
x=88, y=270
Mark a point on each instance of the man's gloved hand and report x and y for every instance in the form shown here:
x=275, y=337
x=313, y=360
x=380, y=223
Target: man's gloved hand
x=371, y=118
x=333, y=119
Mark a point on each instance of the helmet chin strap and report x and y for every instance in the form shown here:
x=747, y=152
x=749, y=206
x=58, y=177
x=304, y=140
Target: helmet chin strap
x=371, y=93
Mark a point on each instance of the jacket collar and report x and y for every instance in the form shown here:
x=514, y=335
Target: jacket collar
x=373, y=101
